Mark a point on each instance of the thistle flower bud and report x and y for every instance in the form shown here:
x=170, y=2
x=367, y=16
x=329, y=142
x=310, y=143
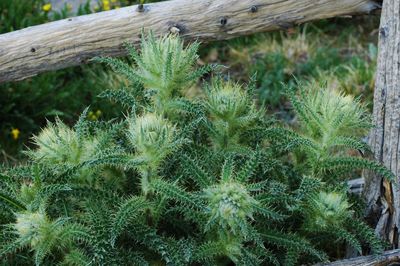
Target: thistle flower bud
x=327, y=209
x=152, y=136
x=232, y=112
x=28, y=192
x=230, y=206
x=30, y=225
x=164, y=65
x=227, y=101
x=57, y=143
x=336, y=112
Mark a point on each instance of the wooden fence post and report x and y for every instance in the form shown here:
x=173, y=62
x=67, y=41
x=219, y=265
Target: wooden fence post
x=383, y=198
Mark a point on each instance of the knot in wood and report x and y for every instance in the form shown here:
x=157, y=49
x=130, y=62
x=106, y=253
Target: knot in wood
x=254, y=9
x=223, y=21
x=383, y=31
x=140, y=8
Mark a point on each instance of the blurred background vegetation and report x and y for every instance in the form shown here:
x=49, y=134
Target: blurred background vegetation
x=341, y=52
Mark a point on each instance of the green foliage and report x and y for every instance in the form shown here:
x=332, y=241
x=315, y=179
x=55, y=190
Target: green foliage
x=183, y=181
x=58, y=144
x=164, y=68
x=331, y=125
x=330, y=212
x=15, y=15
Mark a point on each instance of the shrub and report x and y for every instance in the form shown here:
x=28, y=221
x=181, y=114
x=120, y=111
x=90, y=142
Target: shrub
x=186, y=181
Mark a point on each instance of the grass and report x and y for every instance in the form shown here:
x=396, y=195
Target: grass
x=341, y=55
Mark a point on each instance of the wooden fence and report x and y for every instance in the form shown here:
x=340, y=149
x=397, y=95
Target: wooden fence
x=76, y=40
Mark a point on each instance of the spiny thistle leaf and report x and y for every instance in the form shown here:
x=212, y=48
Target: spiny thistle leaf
x=196, y=172
x=357, y=163
x=120, y=96
x=366, y=234
x=292, y=242
x=348, y=237
x=128, y=210
x=11, y=201
x=227, y=170
x=76, y=257
x=173, y=191
x=249, y=168
x=119, y=67
x=351, y=143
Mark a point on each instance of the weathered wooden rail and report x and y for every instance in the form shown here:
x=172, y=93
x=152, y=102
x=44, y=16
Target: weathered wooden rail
x=76, y=40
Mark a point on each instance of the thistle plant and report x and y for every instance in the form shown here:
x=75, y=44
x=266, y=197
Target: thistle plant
x=232, y=113
x=230, y=207
x=330, y=127
x=327, y=210
x=33, y=228
x=74, y=151
x=43, y=236
x=165, y=68
x=330, y=213
x=153, y=138
x=181, y=181
x=59, y=144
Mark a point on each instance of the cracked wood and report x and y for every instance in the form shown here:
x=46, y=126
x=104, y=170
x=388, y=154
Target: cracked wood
x=383, y=198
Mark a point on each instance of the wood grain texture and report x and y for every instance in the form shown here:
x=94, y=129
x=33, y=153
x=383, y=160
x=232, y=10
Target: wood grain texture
x=389, y=258
x=76, y=40
x=383, y=198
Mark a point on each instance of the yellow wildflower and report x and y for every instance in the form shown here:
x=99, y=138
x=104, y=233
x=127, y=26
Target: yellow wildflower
x=113, y=1
x=46, y=7
x=15, y=133
x=92, y=116
x=106, y=5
